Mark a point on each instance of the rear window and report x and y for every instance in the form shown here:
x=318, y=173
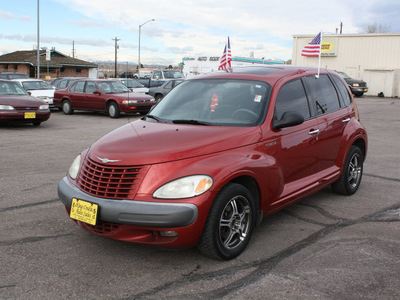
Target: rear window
x=220, y=102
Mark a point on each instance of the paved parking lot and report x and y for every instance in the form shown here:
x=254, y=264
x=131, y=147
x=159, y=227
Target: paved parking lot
x=324, y=247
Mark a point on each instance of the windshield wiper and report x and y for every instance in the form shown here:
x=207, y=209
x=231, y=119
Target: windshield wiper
x=192, y=122
x=153, y=117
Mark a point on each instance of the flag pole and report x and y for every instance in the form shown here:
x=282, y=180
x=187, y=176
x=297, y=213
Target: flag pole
x=319, y=56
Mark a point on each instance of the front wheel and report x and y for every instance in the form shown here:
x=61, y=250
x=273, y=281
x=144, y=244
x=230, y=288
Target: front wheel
x=230, y=223
x=113, y=110
x=350, y=179
x=67, y=107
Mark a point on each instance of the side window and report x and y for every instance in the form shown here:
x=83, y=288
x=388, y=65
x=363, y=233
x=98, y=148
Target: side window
x=323, y=94
x=90, y=87
x=343, y=90
x=292, y=97
x=168, y=85
x=78, y=87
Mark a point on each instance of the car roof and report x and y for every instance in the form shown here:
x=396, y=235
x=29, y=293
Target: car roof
x=26, y=79
x=269, y=73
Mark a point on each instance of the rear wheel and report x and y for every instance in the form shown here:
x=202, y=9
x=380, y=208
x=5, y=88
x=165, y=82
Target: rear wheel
x=113, y=110
x=230, y=223
x=158, y=97
x=350, y=179
x=67, y=107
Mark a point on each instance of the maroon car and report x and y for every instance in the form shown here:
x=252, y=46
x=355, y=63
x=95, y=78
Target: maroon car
x=216, y=155
x=108, y=96
x=16, y=105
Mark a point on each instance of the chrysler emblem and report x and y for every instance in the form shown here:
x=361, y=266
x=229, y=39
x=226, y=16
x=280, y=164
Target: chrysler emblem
x=106, y=160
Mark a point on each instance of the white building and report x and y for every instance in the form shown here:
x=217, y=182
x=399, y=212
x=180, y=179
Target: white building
x=374, y=58
x=198, y=65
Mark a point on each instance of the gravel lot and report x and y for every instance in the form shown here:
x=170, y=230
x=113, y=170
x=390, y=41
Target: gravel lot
x=324, y=247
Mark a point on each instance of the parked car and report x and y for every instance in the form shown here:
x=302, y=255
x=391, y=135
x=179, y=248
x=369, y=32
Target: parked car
x=109, y=96
x=357, y=87
x=16, y=105
x=39, y=89
x=218, y=153
x=9, y=76
x=63, y=82
x=134, y=85
x=159, y=76
x=161, y=91
x=126, y=75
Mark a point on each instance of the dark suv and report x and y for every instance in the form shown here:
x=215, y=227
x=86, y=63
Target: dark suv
x=216, y=155
x=357, y=87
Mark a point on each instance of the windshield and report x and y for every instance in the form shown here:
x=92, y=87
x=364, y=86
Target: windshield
x=113, y=87
x=131, y=83
x=36, y=85
x=172, y=74
x=8, y=88
x=220, y=102
x=344, y=75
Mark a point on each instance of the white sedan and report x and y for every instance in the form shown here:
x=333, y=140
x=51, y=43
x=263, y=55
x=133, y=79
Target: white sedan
x=39, y=89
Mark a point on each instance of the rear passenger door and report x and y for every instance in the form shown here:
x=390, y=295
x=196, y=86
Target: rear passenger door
x=77, y=95
x=332, y=116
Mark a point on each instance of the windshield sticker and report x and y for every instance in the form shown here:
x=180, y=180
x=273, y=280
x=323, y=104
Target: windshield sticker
x=257, y=98
x=214, y=102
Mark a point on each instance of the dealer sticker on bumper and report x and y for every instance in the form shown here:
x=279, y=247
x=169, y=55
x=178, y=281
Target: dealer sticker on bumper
x=84, y=211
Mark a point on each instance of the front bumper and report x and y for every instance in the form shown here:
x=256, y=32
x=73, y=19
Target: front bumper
x=130, y=212
x=359, y=89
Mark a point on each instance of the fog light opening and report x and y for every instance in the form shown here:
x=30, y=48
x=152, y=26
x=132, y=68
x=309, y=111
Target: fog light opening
x=169, y=233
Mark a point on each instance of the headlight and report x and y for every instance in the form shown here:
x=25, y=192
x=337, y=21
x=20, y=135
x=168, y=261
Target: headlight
x=185, y=187
x=129, y=101
x=44, y=106
x=6, y=107
x=74, y=169
x=356, y=84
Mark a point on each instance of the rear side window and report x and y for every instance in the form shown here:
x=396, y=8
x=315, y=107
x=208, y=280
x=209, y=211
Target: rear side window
x=292, y=97
x=343, y=90
x=78, y=87
x=323, y=93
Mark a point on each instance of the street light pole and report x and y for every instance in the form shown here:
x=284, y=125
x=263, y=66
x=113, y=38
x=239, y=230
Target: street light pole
x=38, y=46
x=140, y=28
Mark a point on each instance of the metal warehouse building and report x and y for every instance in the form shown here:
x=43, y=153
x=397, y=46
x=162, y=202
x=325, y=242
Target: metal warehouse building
x=374, y=58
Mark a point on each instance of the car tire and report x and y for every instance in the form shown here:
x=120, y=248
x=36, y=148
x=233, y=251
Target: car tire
x=230, y=223
x=113, y=110
x=358, y=94
x=36, y=123
x=350, y=179
x=67, y=107
x=158, y=97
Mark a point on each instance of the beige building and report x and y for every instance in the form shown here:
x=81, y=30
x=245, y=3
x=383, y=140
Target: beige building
x=374, y=58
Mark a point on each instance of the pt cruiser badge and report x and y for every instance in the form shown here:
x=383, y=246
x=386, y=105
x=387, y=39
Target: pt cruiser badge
x=106, y=160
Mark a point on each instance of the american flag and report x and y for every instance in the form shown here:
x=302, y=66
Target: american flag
x=225, y=63
x=313, y=48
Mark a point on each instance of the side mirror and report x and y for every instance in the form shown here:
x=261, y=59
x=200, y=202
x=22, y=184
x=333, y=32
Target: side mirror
x=29, y=93
x=96, y=92
x=288, y=119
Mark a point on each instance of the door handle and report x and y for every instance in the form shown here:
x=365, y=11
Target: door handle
x=313, y=132
x=346, y=120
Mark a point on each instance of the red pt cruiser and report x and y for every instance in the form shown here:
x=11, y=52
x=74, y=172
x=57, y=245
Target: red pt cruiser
x=216, y=155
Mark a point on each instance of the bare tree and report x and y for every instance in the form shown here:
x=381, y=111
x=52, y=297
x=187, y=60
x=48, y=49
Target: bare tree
x=376, y=28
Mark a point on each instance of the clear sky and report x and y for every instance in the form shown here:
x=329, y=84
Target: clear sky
x=182, y=27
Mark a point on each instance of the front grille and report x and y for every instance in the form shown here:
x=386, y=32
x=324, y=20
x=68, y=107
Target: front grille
x=27, y=108
x=112, y=182
x=103, y=228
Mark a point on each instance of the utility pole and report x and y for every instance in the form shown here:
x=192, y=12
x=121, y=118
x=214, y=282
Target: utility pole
x=116, y=63
x=341, y=27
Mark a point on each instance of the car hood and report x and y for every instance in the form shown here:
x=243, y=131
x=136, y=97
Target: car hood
x=142, y=142
x=133, y=96
x=46, y=93
x=351, y=81
x=20, y=101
